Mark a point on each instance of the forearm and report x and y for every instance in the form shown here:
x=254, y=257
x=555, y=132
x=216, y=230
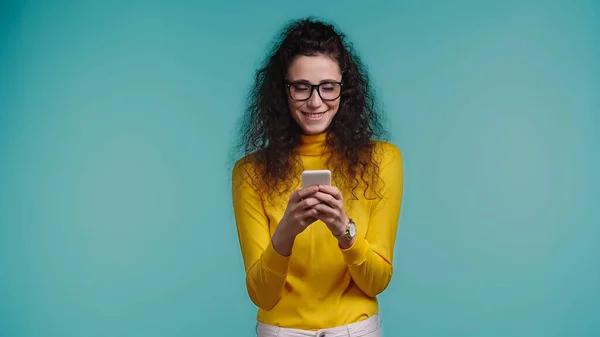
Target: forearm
x=282, y=242
x=370, y=271
x=266, y=278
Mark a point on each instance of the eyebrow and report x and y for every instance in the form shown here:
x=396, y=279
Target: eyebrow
x=322, y=81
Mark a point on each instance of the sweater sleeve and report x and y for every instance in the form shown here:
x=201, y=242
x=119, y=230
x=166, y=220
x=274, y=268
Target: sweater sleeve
x=369, y=259
x=266, y=270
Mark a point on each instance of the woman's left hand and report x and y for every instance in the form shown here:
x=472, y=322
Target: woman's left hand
x=331, y=209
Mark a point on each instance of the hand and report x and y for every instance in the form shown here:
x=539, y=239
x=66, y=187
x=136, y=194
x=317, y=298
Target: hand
x=299, y=214
x=331, y=209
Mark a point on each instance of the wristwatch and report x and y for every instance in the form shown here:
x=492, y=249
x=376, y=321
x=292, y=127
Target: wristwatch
x=350, y=232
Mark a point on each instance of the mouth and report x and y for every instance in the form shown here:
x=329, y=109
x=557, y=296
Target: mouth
x=314, y=116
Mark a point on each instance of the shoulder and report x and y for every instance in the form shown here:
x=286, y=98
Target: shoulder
x=386, y=152
x=243, y=168
x=243, y=162
x=390, y=166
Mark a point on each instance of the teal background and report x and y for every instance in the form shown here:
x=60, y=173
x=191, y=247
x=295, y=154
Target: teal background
x=116, y=121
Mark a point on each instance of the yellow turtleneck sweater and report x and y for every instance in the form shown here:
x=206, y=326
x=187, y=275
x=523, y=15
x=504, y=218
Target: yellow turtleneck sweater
x=319, y=285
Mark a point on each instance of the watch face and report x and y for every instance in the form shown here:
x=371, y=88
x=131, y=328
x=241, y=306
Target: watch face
x=352, y=229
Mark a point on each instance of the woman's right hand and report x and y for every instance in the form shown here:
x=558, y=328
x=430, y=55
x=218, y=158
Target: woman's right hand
x=299, y=214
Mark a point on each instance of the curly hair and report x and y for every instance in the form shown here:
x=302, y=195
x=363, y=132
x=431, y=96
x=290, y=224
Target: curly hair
x=270, y=136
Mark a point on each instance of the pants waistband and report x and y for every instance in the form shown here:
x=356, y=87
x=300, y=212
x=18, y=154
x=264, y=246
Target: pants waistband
x=361, y=328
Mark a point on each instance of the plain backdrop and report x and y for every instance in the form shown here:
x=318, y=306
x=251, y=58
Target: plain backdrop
x=116, y=124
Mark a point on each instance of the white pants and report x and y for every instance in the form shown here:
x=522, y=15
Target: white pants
x=370, y=327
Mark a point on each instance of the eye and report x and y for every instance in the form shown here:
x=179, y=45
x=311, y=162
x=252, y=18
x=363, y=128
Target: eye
x=300, y=87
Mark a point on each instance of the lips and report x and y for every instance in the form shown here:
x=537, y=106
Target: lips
x=314, y=115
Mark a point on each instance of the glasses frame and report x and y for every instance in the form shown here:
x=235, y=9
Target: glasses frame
x=312, y=89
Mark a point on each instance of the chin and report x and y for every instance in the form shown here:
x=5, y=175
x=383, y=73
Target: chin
x=313, y=130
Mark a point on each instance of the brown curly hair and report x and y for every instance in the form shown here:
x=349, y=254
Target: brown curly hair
x=269, y=135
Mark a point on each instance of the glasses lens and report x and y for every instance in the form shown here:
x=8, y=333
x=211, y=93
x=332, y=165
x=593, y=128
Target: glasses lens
x=327, y=91
x=300, y=91
x=330, y=90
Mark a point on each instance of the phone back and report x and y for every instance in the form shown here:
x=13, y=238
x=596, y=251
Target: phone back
x=316, y=177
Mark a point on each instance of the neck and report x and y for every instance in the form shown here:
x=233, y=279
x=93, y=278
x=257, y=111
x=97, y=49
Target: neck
x=313, y=144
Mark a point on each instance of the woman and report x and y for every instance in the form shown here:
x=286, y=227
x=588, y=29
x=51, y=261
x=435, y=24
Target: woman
x=316, y=257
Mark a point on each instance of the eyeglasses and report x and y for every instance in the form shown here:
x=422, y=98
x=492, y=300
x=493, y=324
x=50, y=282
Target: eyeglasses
x=301, y=91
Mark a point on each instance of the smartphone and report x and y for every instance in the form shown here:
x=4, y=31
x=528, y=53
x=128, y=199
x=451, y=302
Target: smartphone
x=316, y=177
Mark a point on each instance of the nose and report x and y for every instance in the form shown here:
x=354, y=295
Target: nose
x=315, y=100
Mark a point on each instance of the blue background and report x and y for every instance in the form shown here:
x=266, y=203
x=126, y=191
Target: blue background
x=116, y=121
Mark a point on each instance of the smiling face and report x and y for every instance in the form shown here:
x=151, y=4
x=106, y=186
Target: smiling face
x=314, y=114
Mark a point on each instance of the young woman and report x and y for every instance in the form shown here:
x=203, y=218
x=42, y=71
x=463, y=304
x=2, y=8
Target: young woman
x=316, y=258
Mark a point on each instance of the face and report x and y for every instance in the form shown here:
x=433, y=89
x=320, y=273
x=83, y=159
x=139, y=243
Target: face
x=314, y=114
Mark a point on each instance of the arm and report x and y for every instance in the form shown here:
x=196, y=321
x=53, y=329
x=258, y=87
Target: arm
x=266, y=270
x=369, y=259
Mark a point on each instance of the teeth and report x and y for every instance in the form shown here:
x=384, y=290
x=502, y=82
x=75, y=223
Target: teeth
x=315, y=115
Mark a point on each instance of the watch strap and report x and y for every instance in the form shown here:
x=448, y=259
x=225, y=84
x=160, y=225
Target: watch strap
x=346, y=233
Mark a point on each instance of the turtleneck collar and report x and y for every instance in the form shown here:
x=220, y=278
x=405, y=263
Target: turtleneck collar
x=313, y=145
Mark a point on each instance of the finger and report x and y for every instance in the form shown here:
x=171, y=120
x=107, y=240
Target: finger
x=326, y=218
x=308, y=203
x=310, y=221
x=324, y=210
x=303, y=193
x=331, y=190
x=309, y=216
x=327, y=198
